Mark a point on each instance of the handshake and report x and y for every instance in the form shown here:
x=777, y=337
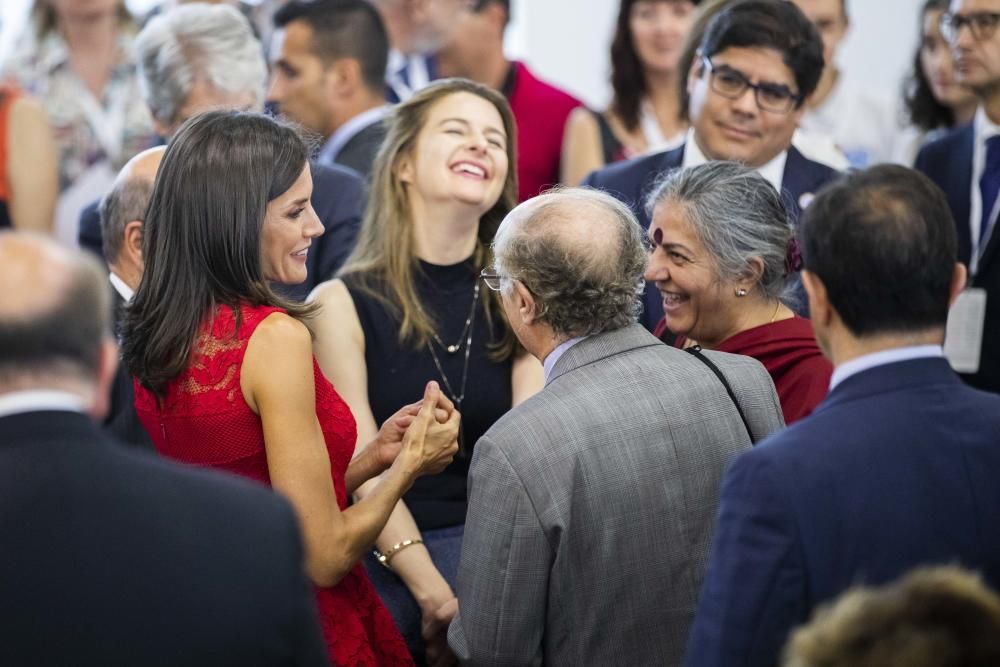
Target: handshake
x=420, y=438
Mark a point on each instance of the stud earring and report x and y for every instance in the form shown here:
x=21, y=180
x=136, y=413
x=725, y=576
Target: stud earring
x=741, y=292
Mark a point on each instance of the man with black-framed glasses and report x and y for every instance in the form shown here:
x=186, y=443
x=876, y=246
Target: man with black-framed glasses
x=758, y=62
x=966, y=165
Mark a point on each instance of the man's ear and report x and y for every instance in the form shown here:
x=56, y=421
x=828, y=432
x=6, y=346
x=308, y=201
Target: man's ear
x=107, y=365
x=524, y=303
x=820, y=310
x=342, y=76
x=959, y=279
x=133, y=242
x=694, y=72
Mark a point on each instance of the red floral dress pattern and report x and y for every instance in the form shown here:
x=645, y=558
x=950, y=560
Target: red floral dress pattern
x=204, y=420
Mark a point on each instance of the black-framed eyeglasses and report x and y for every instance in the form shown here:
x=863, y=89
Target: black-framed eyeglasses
x=491, y=278
x=732, y=83
x=982, y=24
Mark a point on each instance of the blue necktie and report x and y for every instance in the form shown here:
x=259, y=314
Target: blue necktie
x=989, y=186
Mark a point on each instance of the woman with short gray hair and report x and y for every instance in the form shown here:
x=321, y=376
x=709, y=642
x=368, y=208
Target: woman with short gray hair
x=723, y=254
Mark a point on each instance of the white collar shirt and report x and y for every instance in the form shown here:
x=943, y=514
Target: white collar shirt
x=347, y=131
x=773, y=171
x=875, y=359
x=38, y=400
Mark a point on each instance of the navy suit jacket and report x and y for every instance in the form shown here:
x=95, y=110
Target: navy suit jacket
x=632, y=181
x=948, y=162
x=339, y=197
x=114, y=557
x=897, y=468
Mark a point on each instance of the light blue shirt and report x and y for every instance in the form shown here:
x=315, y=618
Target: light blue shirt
x=869, y=361
x=550, y=361
x=346, y=132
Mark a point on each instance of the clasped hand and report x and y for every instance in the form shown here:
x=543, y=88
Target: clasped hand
x=427, y=430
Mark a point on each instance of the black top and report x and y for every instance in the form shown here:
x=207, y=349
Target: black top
x=611, y=147
x=4, y=216
x=397, y=374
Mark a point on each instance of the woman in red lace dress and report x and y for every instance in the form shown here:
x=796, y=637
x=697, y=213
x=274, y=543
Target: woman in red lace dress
x=225, y=375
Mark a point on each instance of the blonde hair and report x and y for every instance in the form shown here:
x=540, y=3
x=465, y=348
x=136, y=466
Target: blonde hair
x=386, y=247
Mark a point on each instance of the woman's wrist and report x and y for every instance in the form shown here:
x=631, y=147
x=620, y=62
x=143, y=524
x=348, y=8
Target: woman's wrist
x=428, y=587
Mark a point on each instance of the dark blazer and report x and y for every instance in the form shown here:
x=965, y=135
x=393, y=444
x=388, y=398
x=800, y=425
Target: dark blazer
x=339, y=197
x=111, y=557
x=948, y=162
x=897, y=468
x=122, y=420
x=632, y=181
x=360, y=150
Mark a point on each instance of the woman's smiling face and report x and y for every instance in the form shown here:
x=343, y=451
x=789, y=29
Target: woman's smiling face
x=460, y=154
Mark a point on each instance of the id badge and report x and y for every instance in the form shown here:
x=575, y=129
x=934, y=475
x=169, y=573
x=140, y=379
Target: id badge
x=963, y=340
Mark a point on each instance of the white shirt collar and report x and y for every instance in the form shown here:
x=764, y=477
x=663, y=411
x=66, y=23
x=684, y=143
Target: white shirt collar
x=869, y=361
x=37, y=400
x=348, y=130
x=554, y=355
x=123, y=290
x=773, y=171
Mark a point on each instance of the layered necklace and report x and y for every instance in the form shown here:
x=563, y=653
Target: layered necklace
x=464, y=340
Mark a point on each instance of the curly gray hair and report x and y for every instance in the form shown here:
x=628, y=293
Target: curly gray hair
x=197, y=41
x=738, y=216
x=583, y=283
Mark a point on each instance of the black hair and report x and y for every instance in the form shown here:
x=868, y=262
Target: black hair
x=770, y=24
x=201, y=243
x=924, y=110
x=343, y=29
x=480, y=5
x=883, y=243
x=627, y=79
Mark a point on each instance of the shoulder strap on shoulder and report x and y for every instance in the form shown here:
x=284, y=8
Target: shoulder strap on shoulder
x=695, y=351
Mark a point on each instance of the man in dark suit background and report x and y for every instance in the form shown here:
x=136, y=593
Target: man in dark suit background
x=757, y=64
x=111, y=557
x=197, y=57
x=897, y=468
x=329, y=76
x=122, y=213
x=966, y=165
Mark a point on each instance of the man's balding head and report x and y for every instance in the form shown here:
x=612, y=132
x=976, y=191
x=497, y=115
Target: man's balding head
x=123, y=210
x=580, y=254
x=55, y=319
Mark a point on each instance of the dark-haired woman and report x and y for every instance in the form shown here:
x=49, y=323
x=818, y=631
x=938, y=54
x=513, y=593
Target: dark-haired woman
x=409, y=306
x=935, y=101
x=645, y=114
x=225, y=373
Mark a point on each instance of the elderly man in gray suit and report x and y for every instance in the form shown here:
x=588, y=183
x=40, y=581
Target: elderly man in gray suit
x=591, y=504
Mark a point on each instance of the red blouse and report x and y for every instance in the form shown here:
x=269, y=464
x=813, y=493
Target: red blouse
x=789, y=352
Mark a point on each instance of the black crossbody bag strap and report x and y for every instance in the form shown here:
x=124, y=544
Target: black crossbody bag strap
x=695, y=351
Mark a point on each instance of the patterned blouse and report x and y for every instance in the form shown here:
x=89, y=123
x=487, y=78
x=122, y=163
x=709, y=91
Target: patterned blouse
x=42, y=69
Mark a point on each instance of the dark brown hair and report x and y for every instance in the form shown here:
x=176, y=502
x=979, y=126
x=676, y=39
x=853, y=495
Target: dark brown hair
x=202, y=235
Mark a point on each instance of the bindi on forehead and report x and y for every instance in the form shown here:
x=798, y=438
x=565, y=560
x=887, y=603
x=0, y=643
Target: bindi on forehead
x=658, y=236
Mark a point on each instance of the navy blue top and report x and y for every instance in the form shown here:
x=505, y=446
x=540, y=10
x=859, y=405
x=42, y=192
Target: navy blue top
x=398, y=372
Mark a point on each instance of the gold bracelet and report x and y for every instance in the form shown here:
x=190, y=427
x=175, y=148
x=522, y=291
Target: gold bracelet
x=384, y=558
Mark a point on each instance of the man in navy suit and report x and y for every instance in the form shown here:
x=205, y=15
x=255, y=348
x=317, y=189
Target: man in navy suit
x=966, y=165
x=897, y=468
x=197, y=57
x=757, y=64
x=110, y=556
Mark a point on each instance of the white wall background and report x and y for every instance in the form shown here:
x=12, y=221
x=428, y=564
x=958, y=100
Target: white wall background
x=567, y=41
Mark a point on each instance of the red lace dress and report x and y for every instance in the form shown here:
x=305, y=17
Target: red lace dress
x=204, y=420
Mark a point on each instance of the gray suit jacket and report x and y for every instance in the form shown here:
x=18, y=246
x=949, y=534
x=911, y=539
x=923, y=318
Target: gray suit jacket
x=591, y=505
